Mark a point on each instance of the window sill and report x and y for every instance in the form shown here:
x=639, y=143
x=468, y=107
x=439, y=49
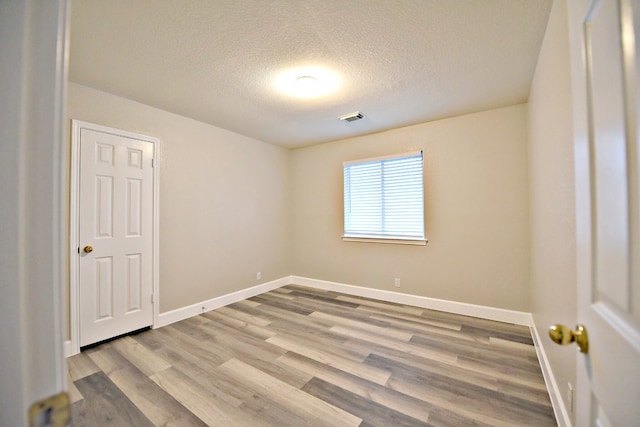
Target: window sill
x=416, y=242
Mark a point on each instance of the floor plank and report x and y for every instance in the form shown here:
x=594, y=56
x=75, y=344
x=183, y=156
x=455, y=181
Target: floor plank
x=312, y=410
x=157, y=405
x=104, y=404
x=366, y=389
x=372, y=414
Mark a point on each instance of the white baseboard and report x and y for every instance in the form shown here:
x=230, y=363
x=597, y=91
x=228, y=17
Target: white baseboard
x=67, y=349
x=208, y=305
x=560, y=410
x=483, y=312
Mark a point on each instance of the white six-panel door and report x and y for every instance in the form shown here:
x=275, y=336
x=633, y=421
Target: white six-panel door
x=606, y=73
x=115, y=234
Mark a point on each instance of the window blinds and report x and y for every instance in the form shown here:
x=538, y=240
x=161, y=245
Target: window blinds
x=384, y=198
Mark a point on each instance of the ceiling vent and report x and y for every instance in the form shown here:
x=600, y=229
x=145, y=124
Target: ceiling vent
x=352, y=117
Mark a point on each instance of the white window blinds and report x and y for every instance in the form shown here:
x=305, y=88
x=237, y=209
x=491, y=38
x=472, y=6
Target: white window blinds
x=384, y=198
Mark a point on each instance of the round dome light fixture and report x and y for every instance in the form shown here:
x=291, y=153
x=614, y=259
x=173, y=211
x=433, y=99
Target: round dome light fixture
x=307, y=82
x=307, y=86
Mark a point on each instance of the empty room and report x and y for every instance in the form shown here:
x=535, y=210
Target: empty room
x=322, y=213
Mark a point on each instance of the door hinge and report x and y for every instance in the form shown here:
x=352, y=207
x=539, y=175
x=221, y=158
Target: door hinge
x=152, y=301
x=152, y=163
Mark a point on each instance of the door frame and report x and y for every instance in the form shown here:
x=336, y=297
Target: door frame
x=74, y=217
x=34, y=40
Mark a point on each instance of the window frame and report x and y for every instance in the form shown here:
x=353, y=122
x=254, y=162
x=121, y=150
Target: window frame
x=377, y=236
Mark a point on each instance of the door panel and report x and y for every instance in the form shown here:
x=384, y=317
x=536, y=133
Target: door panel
x=116, y=219
x=610, y=192
x=104, y=288
x=134, y=208
x=104, y=208
x=605, y=61
x=134, y=282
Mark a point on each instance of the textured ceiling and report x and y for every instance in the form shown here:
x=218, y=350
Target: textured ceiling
x=399, y=62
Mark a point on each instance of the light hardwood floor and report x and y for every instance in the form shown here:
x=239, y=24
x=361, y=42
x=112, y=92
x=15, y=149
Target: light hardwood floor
x=298, y=356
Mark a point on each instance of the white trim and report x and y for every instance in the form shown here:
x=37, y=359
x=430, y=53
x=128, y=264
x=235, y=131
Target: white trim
x=155, y=164
x=221, y=301
x=74, y=244
x=484, y=312
x=377, y=159
x=67, y=349
x=395, y=241
x=74, y=308
x=559, y=409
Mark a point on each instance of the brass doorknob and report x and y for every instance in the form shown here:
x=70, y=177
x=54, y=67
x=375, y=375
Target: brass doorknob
x=88, y=249
x=563, y=335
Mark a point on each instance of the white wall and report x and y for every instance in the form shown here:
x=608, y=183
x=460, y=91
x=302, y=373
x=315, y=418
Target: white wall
x=224, y=199
x=476, y=218
x=551, y=177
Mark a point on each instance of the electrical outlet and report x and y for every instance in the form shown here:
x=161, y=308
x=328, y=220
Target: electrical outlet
x=570, y=396
x=258, y=275
x=397, y=282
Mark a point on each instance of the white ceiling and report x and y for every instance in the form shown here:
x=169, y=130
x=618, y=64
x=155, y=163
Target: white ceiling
x=399, y=62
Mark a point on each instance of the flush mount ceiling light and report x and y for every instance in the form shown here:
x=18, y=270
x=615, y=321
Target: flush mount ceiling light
x=307, y=86
x=307, y=82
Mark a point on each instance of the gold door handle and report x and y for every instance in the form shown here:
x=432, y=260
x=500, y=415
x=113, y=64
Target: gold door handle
x=88, y=249
x=563, y=335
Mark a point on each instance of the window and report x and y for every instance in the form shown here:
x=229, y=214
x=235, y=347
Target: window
x=384, y=199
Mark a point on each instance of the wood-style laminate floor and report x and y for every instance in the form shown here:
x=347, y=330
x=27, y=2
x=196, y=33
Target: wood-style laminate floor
x=298, y=356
